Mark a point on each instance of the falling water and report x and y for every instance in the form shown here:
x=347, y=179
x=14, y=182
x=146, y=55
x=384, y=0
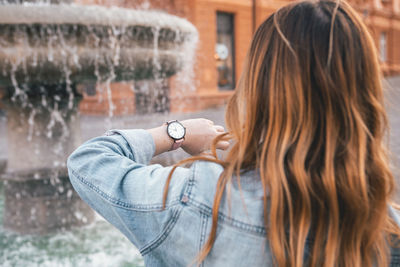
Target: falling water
x=98, y=244
x=69, y=54
x=47, y=53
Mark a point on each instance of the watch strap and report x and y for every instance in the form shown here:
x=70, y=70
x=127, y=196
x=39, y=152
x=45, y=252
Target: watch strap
x=177, y=144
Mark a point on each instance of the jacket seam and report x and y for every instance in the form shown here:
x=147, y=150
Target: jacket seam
x=204, y=223
x=253, y=229
x=122, y=204
x=163, y=235
x=189, y=186
x=203, y=229
x=257, y=230
x=171, y=223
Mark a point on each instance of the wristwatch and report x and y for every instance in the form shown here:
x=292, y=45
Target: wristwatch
x=177, y=132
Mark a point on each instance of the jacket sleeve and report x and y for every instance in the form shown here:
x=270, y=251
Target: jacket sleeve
x=111, y=173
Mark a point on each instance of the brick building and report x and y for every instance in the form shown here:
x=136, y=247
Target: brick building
x=225, y=30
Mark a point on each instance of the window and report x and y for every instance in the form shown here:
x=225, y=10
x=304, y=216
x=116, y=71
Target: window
x=387, y=3
x=383, y=47
x=225, y=51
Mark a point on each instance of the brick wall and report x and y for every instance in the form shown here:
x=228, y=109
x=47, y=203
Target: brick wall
x=202, y=13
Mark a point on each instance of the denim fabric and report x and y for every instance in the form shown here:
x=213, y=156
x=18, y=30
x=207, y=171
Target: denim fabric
x=112, y=174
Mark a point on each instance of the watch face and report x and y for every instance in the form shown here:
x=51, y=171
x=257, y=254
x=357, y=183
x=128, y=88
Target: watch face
x=176, y=130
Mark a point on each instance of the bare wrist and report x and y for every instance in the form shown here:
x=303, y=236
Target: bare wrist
x=161, y=139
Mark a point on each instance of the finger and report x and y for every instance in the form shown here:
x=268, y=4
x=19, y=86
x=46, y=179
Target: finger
x=219, y=128
x=210, y=122
x=223, y=145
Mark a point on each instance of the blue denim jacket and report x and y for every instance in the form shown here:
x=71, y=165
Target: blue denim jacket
x=112, y=174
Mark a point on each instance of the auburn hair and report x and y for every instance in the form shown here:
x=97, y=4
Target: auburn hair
x=308, y=113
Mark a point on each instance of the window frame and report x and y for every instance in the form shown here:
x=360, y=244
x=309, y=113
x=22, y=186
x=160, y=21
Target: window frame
x=232, y=16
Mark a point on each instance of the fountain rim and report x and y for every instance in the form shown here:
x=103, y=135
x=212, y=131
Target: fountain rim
x=90, y=15
x=34, y=174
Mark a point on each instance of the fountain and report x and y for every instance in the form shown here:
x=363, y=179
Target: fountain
x=47, y=52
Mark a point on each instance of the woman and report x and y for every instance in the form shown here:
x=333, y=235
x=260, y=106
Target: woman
x=306, y=180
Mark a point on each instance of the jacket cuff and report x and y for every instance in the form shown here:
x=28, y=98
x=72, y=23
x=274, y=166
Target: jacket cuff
x=141, y=143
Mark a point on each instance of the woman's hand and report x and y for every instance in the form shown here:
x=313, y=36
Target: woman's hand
x=199, y=136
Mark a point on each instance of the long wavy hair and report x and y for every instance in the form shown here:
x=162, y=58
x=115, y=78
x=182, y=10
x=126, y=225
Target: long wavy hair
x=308, y=113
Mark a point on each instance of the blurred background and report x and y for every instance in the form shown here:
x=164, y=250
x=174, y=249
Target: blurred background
x=72, y=69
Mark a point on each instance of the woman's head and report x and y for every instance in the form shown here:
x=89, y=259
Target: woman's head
x=308, y=112
x=312, y=68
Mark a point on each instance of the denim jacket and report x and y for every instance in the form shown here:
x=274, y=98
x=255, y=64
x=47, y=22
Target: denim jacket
x=112, y=174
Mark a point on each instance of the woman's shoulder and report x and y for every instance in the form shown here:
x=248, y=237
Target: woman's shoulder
x=241, y=206
x=202, y=184
x=203, y=167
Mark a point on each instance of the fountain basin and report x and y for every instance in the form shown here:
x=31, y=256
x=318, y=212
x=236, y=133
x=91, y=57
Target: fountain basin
x=51, y=43
x=46, y=52
x=42, y=201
